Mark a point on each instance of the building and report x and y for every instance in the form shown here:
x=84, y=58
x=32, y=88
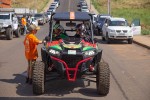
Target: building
x=5, y=3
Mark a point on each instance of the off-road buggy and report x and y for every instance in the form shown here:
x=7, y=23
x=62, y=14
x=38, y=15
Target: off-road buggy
x=71, y=57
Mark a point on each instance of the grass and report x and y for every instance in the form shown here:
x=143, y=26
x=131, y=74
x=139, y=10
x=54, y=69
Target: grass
x=129, y=10
x=32, y=4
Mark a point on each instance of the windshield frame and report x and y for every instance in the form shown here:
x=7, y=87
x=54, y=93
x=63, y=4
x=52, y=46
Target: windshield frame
x=118, y=23
x=5, y=16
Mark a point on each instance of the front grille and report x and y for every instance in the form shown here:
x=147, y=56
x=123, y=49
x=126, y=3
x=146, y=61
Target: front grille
x=124, y=31
x=121, y=37
x=118, y=31
x=72, y=60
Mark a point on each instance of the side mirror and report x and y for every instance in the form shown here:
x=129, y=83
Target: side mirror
x=132, y=25
x=106, y=24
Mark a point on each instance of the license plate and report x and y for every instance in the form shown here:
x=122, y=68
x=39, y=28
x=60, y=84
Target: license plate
x=121, y=34
x=72, y=52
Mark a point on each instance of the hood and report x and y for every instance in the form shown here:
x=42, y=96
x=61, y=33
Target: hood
x=119, y=27
x=5, y=23
x=63, y=44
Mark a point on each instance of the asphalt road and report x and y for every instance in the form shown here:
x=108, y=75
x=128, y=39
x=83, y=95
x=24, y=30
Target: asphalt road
x=129, y=65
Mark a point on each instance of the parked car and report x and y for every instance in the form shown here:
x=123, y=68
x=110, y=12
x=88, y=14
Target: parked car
x=9, y=24
x=116, y=29
x=80, y=2
x=84, y=9
x=53, y=5
x=52, y=9
x=41, y=18
x=57, y=1
x=46, y=16
x=83, y=4
x=49, y=15
x=98, y=24
x=34, y=21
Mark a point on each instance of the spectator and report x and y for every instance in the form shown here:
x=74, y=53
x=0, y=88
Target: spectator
x=81, y=33
x=24, y=23
x=31, y=53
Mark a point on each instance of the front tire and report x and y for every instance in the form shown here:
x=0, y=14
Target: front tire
x=9, y=34
x=103, y=78
x=107, y=39
x=18, y=32
x=38, y=78
x=130, y=41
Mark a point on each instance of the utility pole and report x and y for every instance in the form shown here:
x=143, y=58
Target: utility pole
x=109, y=7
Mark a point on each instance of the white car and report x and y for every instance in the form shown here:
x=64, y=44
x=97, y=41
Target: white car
x=55, y=3
x=116, y=29
x=84, y=9
x=34, y=21
x=52, y=9
x=49, y=15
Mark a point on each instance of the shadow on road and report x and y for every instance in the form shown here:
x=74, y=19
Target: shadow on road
x=58, y=88
x=113, y=42
x=2, y=37
x=41, y=98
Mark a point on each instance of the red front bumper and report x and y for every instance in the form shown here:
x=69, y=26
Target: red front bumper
x=71, y=69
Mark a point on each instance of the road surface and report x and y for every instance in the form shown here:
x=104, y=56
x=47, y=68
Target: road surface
x=129, y=65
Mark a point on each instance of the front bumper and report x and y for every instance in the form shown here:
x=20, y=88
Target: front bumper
x=121, y=36
x=71, y=72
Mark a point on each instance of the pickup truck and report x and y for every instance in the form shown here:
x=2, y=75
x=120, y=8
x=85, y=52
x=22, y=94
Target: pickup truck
x=9, y=24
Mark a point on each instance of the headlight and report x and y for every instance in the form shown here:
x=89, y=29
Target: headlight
x=112, y=30
x=54, y=52
x=5, y=25
x=89, y=53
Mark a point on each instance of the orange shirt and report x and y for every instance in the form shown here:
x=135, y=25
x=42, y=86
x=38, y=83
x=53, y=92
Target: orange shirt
x=23, y=21
x=30, y=44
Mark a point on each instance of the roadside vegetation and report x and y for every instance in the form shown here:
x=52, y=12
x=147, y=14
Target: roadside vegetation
x=32, y=4
x=129, y=9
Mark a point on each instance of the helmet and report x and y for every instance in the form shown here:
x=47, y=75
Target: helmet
x=58, y=29
x=80, y=29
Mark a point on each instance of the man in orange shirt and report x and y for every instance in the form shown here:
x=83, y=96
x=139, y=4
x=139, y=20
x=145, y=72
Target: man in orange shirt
x=24, y=23
x=31, y=53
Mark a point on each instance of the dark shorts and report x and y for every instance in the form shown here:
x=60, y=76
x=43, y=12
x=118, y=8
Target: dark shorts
x=31, y=63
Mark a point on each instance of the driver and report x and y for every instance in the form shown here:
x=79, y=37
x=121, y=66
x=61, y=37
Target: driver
x=58, y=31
x=81, y=33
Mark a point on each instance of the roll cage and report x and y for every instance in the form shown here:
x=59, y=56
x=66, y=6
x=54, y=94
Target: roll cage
x=71, y=17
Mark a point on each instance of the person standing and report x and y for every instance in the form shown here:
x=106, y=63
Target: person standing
x=31, y=53
x=24, y=23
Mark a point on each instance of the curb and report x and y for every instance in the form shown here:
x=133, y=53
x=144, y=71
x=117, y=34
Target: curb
x=141, y=44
